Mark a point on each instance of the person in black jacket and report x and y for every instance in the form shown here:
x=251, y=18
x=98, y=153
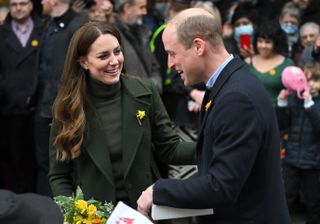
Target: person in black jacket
x=301, y=118
x=62, y=22
x=20, y=37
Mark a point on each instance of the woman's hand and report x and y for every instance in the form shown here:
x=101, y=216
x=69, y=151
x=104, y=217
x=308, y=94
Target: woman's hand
x=246, y=52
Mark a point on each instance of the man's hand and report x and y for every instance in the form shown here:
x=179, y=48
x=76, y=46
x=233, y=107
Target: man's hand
x=78, y=6
x=317, y=45
x=145, y=201
x=197, y=95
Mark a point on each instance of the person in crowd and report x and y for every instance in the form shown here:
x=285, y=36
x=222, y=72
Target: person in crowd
x=309, y=10
x=107, y=125
x=289, y=20
x=244, y=21
x=19, y=47
x=28, y=208
x=264, y=8
x=182, y=103
x=62, y=22
x=100, y=11
x=270, y=44
x=4, y=10
x=311, y=53
x=308, y=34
x=135, y=38
x=238, y=148
x=153, y=19
x=301, y=118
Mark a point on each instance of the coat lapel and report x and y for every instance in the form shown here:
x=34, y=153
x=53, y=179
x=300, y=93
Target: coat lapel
x=13, y=42
x=97, y=151
x=132, y=131
x=211, y=94
x=32, y=43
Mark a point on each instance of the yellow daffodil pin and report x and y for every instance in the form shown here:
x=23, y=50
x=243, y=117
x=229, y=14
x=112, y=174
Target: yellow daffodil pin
x=140, y=115
x=272, y=72
x=34, y=43
x=208, y=105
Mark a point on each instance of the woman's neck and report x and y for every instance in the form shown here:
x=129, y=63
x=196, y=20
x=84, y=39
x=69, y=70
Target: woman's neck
x=101, y=90
x=268, y=57
x=264, y=64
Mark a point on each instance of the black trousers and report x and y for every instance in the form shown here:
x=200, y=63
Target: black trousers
x=42, y=134
x=304, y=182
x=17, y=150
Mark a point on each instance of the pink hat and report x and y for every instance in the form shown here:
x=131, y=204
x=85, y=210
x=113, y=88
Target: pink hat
x=294, y=79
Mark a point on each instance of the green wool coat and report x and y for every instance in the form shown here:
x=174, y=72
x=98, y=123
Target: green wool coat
x=92, y=170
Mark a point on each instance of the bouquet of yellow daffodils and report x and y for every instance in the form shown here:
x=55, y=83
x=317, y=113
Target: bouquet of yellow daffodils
x=76, y=210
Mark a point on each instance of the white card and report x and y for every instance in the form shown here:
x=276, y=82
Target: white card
x=159, y=212
x=123, y=214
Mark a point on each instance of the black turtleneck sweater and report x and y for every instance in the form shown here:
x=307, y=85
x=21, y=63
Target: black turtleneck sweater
x=107, y=101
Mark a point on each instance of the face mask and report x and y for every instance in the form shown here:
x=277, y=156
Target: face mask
x=289, y=28
x=238, y=31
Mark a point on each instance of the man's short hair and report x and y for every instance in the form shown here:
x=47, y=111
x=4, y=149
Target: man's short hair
x=118, y=6
x=308, y=25
x=199, y=26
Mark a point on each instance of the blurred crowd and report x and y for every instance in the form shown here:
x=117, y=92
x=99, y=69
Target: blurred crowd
x=269, y=35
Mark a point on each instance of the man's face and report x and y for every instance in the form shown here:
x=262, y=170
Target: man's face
x=308, y=36
x=302, y=4
x=20, y=9
x=47, y=7
x=137, y=11
x=184, y=61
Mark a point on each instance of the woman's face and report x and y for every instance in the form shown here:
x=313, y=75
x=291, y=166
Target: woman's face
x=265, y=47
x=104, y=60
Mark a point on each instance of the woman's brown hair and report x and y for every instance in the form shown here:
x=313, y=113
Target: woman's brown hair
x=69, y=115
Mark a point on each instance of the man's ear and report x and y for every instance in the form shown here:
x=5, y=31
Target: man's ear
x=83, y=63
x=126, y=7
x=199, y=45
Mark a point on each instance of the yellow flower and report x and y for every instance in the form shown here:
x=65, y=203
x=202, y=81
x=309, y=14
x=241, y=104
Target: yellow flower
x=34, y=43
x=81, y=205
x=208, y=105
x=272, y=72
x=140, y=115
x=78, y=219
x=91, y=210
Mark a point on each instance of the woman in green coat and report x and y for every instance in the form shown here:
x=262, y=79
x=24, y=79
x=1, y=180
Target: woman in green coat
x=108, y=126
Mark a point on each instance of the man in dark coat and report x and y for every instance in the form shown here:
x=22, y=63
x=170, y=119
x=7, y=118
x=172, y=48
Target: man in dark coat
x=135, y=39
x=62, y=22
x=19, y=47
x=238, y=147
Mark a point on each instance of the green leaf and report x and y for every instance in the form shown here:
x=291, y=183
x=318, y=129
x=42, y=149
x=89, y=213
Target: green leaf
x=79, y=194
